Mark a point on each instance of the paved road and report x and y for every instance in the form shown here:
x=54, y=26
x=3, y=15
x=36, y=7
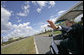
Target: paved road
x=43, y=44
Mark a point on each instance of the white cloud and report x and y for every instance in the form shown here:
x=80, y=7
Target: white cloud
x=44, y=26
x=52, y=3
x=20, y=26
x=5, y=24
x=54, y=18
x=61, y=12
x=5, y=16
x=38, y=10
x=17, y=30
x=22, y=30
x=34, y=2
x=25, y=9
x=21, y=14
x=78, y=18
x=40, y=3
x=43, y=4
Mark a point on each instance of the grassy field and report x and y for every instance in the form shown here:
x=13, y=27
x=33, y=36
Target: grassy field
x=49, y=33
x=25, y=46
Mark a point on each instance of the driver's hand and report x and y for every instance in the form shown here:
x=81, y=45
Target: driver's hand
x=52, y=25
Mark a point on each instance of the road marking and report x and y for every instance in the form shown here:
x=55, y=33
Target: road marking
x=36, y=46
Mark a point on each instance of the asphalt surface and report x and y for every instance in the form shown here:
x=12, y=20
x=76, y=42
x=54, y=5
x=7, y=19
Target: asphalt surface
x=43, y=44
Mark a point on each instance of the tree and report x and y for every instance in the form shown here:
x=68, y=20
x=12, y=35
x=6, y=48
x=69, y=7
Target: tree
x=10, y=39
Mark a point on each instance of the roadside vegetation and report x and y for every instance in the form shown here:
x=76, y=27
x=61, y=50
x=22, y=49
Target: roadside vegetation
x=25, y=46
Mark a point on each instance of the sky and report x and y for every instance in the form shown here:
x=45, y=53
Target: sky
x=26, y=18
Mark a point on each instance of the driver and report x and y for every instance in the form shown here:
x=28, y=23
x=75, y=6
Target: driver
x=74, y=40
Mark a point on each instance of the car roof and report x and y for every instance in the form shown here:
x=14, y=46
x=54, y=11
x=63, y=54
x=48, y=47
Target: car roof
x=73, y=12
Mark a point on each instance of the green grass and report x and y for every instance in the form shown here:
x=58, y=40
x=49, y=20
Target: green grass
x=48, y=33
x=25, y=46
x=10, y=41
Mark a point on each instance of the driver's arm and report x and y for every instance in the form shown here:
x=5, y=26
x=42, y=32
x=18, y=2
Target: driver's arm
x=53, y=26
x=60, y=28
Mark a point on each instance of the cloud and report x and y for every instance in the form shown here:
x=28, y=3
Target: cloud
x=78, y=18
x=61, y=12
x=38, y=10
x=14, y=30
x=34, y=2
x=5, y=16
x=52, y=3
x=40, y=3
x=21, y=14
x=25, y=9
x=44, y=26
x=43, y=4
x=5, y=24
x=21, y=30
x=54, y=17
